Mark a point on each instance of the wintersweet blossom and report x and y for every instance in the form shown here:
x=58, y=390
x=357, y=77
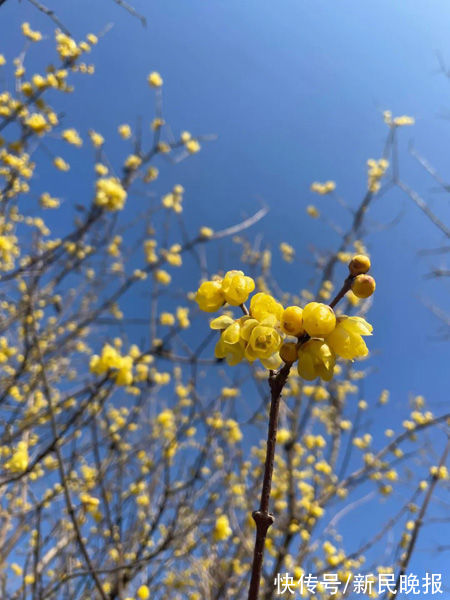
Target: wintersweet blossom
x=346, y=339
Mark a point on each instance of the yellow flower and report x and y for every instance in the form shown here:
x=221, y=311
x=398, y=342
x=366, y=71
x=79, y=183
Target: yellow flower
x=162, y=276
x=263, y=305
x=166, y=318
x=287, y=251
x=96, y=138
x=143, y=593
x=133, y=162
x=363, y=286
x=404, y=120
x=206, y=232
x=236, y=287
x=192, y=146
x=18, y=462
x=155, y=80
x=292, y=320
x=359, y=264
x=239, y=341
x=151, y=174
x=376, y=170
x=210, y=296
x=316, y=359
x=37, y=123
x=108, y=359
x=124, y=375
x=346, y=340
x=222, y=529
x=88, y=501
x=61, y=164
x=110, y=193
x=288, y=352
x=157, y=123
x=46, y=201
x=71, y=136
x=124, y=131
x=318, y=319
x=230, y=345
x=323, y=188
x=66, y=46
x=312, y=211
x=34, y=36
x=263, y=342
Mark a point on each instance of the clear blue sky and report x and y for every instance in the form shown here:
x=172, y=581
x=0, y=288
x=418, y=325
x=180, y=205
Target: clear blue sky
x=295, y=91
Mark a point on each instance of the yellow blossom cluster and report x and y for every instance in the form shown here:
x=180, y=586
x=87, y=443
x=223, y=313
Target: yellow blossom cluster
x=33, y=36
x=9, y=251
x=71, y=136
x=191, y=144
x=47, y=201
x=120, y=367
x=16, y=170
x=323, y=188
x=174, y=200
x=110, y=193
x=18, y=462
x=260, y=333
x=68, y=49
x=222, y=529
x=287, y=252
x=37, y=123
x=96, y=138
x=375, y=172
x=401, y=121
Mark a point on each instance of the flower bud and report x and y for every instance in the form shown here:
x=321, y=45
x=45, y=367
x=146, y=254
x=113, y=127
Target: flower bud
x=288, y=352
x=318, y=319
x=292, y=320
x=363, y=286
x=359, y=264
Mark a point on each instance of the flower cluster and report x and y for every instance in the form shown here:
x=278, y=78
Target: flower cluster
x=266, y=331
x=234, y=289
x=18, y=463
x=323, y=188
x=375, y=171
x=110, y=194
x=111, y=360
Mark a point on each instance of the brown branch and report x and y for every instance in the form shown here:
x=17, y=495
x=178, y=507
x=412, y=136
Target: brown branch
x=262, y=517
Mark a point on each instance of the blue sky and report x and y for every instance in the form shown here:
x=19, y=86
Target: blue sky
x=295, y=91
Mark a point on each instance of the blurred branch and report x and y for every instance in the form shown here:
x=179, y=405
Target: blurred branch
x=241, y=226
x=419, y=521
x=133, y=12
x=423, y=207
x=51, y=14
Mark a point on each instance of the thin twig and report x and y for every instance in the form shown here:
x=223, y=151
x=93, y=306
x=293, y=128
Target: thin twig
x=51, y=14
x=419, y=521
x=133, y=12
x=62, y=474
